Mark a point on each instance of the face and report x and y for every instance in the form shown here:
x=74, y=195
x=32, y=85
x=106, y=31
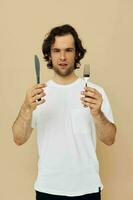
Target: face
x=63, y=55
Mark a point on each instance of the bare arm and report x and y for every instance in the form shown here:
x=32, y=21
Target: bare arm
x=22, y=125
x=106, y=131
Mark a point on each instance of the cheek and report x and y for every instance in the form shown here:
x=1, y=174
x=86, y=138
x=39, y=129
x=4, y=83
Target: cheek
x=53, y=59
x=72, y=58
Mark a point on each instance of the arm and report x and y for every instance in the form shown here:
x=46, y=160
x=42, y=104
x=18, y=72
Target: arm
x=22, y=125
x=106, y=131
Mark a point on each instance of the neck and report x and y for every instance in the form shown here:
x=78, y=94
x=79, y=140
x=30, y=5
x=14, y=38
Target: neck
x=65, y=79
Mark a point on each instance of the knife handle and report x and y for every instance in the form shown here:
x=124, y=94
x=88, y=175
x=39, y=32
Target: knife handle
x=40, y=98
x=38, y=81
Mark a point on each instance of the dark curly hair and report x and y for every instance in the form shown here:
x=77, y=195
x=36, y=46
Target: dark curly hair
x=61, y=31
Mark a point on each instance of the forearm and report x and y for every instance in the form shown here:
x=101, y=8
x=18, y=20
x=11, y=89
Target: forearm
x=105, y=130
x=22, y=126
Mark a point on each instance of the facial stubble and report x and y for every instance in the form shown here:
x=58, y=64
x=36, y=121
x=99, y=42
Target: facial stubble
x=65, y=72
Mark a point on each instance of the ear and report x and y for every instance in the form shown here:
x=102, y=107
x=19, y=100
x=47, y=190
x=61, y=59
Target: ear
x=76, y=56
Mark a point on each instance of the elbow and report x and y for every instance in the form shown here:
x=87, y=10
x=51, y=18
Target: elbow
x=110, y=142
x=18, y=141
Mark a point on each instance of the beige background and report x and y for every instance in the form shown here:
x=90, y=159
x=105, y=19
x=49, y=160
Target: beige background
x=106, y=29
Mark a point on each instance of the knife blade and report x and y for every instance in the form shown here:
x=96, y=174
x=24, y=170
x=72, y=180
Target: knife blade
x=37, y=68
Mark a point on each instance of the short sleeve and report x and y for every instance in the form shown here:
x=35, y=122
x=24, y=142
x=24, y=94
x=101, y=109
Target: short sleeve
x=106, y=108
x=34, y=119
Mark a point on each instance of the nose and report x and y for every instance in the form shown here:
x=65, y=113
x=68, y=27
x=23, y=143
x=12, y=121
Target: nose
x=62, y=56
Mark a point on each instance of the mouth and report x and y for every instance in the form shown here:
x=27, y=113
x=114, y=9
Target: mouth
x=63, y=65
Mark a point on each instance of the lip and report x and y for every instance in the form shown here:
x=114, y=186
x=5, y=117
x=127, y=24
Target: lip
x=63, y=65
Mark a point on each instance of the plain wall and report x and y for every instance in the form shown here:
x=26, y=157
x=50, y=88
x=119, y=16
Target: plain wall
x=106, y=30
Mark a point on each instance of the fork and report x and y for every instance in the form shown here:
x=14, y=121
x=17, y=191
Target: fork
x=86, y=73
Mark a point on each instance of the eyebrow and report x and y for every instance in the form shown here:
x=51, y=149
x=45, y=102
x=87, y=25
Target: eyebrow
x=68, y=48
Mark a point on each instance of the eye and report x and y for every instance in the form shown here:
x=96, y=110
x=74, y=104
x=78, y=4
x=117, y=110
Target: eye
x=69, y=50
x=55, y=50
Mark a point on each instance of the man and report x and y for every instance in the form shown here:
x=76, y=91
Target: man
x=68, y=118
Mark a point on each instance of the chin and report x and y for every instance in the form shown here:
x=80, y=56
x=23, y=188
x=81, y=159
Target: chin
x=64, y=72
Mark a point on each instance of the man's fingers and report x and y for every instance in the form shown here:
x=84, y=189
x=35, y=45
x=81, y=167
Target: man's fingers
x=40, y=102
x=36, y=103
x=89, y=89
x=89, y=100
x=90, y=105
x=36, y=91
x=91, y=92
x=40, y=85
x=38, y=96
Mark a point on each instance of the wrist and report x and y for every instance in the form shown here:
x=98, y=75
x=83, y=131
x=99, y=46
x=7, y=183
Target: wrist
x=98, y=116
x=26, y=112
x=26, y=108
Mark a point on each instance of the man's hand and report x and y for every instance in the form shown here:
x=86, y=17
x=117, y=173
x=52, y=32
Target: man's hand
x=22, y=126
x=33, y=95
x=92, y=99
x=105, y=130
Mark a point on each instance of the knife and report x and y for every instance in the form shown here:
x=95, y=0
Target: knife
x=37, y=69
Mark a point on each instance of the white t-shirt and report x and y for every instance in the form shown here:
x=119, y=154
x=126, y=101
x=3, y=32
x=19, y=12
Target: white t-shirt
x=66, y=139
